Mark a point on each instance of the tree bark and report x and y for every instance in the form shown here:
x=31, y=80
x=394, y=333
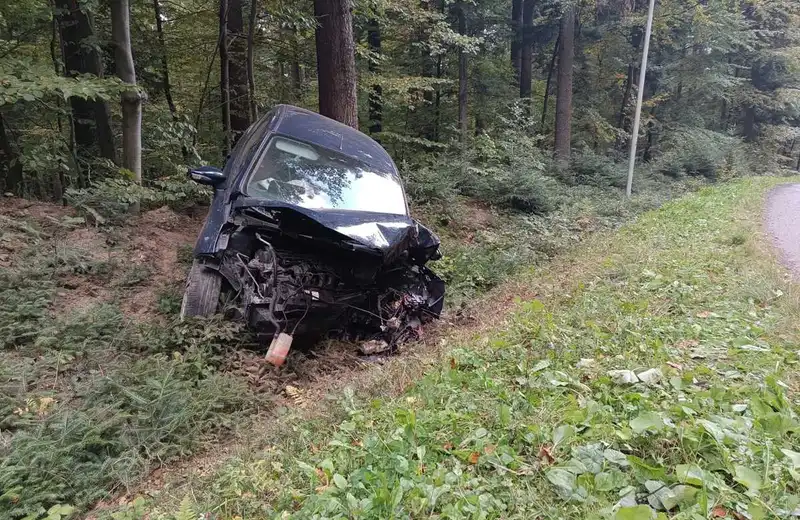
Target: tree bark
x=626, y=92
x=166, y=87
x=297, y=69
x=251, y=81
x=237, y=71
x=376, y=91
x=59, y=181
x=564, y=98
x=10, y=166
x=750, y=129
x=131, y=99
x=462, y=76
x=336, y=65
x=516, y=35
x=526, y=60
x=91, y=118
x=224, y=80
x=547, y=85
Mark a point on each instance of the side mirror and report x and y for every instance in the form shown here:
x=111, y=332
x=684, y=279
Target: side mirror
x=208, y=175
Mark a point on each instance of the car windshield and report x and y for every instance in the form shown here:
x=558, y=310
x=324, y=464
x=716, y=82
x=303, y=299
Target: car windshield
x=317, y=178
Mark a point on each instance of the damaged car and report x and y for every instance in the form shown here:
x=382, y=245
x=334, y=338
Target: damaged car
x=309, y=235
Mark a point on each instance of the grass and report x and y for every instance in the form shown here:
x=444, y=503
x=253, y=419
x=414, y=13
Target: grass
x=91, y=401
x=655, y=375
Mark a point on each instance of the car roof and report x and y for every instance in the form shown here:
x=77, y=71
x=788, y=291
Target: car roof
x=305, y=125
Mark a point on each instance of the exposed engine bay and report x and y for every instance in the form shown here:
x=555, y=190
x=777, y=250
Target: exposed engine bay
x=319, y=284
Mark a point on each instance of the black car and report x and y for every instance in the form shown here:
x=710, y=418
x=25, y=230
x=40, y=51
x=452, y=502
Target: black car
x=309, y=234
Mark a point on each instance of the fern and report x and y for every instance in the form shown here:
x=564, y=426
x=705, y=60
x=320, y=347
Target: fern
x=186, y=510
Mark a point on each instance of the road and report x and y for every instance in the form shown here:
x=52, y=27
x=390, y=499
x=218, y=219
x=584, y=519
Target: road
x=783, y=223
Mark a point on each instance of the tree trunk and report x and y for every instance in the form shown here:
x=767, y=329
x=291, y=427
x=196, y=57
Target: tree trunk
x=237, y=71
x=224, y=80
x=59, y=181
x=626, y=92
x=297, y=69
x=167, y=87
x=564, y=98
x=336, y=64
x=10, y=166
x=91, y=118
x=131, y=99
x=526, y=63
x=376, y=91
x=547, y=85
x=251, y=80
x=462, y=76
x=516, y=35
x=750, y=129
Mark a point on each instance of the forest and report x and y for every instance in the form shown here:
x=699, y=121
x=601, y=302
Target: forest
x=504, y=102
x=511, y=124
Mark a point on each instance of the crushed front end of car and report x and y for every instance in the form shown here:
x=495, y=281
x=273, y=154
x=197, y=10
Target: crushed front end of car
x=296, y=275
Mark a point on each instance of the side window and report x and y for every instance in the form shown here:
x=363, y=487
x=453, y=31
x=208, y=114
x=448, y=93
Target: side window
x=247, y=146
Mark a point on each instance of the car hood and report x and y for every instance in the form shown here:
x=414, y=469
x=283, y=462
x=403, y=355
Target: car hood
x=382, y=233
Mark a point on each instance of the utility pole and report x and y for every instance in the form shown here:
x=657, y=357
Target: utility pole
x=639, y=94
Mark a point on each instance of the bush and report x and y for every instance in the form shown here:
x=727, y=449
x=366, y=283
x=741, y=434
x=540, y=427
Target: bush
x=593, y=169
x=112, y=198
x=695, y=152
x=153, y=410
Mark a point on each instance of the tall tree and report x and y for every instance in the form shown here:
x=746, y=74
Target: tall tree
x=131, y=98
x=376, y=91
x=91, y=118
x=251, y=75
x=237, y=70
x=564, y=96
x=516, y=35
x=462, y=74
x=10, y=165
x=336, y=61
x=550, y=70
x=526, y=59
x=162, y=44
x=224, y=77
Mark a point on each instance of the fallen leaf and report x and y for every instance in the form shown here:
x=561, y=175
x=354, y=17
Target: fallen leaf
x=489, y=449
x=623, y=377
x=453, y=363
x=473, y=457
x=650, y=377
x=546, y=455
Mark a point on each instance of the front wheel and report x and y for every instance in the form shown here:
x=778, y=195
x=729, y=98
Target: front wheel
x=201, y=297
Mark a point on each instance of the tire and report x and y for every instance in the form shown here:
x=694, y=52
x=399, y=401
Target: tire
x=201, y=297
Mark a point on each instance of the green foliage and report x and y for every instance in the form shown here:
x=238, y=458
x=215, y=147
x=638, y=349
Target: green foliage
x=528, y=422
x=151, y=410
x=592, y=169
x=112, y=198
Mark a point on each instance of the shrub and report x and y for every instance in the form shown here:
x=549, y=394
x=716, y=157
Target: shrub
x=593, y=169
x=112, y=198
x=695, y=152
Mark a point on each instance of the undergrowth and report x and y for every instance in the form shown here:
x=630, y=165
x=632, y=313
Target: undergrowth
x=90, y=401
x=656, y=377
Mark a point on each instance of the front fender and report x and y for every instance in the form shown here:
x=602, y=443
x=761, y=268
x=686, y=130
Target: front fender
x=208, y=239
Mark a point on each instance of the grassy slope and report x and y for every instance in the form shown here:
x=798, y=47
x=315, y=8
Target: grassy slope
x=527, y=422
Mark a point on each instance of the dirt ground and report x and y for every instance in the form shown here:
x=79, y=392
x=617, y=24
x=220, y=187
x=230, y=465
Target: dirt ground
x=139, y=260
